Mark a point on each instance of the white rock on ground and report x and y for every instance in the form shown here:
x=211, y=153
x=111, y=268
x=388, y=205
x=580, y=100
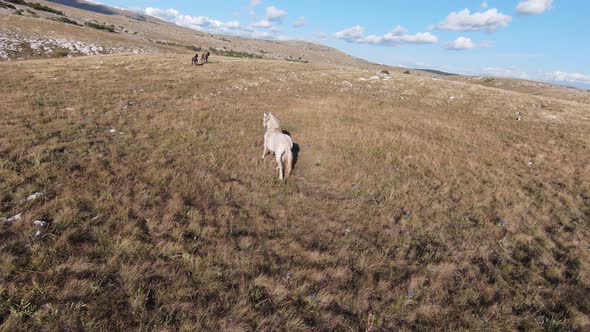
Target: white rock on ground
x=41, y=223
x=34, y=196
x=13, y=218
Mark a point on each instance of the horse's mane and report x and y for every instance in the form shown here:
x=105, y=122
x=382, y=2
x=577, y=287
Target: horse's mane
x=272, y=122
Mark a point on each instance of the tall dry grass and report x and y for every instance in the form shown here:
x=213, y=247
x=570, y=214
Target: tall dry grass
x=408, y=209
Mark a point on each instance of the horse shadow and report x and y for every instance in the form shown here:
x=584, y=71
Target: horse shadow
x=296, y=149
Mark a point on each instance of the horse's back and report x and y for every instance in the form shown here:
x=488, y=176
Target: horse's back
x=277, y=141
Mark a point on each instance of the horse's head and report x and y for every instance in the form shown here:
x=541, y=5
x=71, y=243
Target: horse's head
x=269, y=121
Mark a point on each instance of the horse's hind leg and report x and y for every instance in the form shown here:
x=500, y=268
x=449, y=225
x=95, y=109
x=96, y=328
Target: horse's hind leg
x=279, y=157
x=265, y=151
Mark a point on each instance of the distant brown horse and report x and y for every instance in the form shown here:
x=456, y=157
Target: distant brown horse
x=205, y=57
x=196, y=59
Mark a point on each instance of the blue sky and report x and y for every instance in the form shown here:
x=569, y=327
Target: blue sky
x=535, y=39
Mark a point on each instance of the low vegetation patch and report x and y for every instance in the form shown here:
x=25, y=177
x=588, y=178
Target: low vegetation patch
x=62, y=52
x=33, y=14
x=67, y=20
x=38, y=6
x=100, y=26
x=6, y=5
x=188, y=47
x=235, y=54
x=193, y=48
x=17, y=2
x=299, y=59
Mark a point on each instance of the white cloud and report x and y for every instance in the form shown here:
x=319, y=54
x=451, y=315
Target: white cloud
x=568, y=77
x=254, y=3
x=464, y=43
x=534, y=6
x=351, y=34
x=397, y=36
x=204, y=23
x=275, y=14
x=555, y=76
x=506, y=72
x=484, y=5
x=300, y=22
x=489, y=20
x=193, y=22
x=262, y=24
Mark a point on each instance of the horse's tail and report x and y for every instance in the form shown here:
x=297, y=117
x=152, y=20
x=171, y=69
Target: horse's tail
x=288, y=162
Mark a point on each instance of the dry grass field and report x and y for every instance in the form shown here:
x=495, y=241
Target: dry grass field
x=415, y=203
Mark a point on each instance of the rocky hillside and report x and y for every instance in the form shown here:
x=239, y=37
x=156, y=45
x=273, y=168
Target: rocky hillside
x=69, y=27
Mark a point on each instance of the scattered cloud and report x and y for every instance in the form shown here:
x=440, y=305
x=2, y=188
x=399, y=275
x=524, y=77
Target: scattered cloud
x=489, y=20
x=555, y=76
x=254, y=3
x=464, y=43
x=300, y=22
x=561, y=76
x=260, y=29
x=194, y=22
x=534, y=7
x=262, y=24
x=275, y=14
x=484, y=5
x=506, y=72
x=351, y=34
x=397, y=36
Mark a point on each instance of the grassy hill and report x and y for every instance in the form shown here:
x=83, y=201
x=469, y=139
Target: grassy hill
x=66, y=28
x=415, y=203
x=83, y=25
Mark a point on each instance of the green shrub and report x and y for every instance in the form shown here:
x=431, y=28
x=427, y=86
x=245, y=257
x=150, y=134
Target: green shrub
x=62, y=53
x=41, y=7
x=292, y=59
x=18, y=2
x=67, y=20
x=33, y=5
x=100, y=26
x=6, y=5
x=235, y=54
x=189, y=47
x=193, y=48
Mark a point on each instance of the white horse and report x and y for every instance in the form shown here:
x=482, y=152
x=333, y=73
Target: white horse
x=279, y=143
